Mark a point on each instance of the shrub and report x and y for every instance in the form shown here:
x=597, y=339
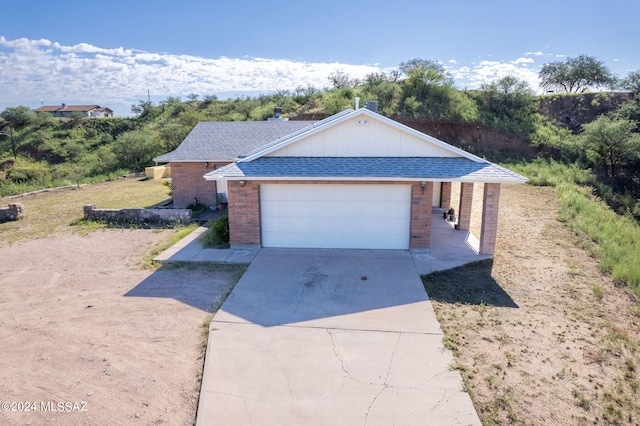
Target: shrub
x=217, y=236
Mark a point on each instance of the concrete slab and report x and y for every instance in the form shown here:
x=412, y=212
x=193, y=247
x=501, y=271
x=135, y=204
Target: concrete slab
x=304, y=338
x=189, y=249
x=449, y=247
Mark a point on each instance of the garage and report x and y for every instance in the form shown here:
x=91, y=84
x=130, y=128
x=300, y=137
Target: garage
x=335, y=216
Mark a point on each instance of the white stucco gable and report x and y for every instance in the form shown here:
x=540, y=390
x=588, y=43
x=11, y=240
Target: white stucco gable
x=361, y=133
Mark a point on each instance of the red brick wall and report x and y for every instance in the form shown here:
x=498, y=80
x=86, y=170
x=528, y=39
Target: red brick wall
x=244, y=213
x=244, y=210
x=421, y=205
x=490, y=207
x=445, y=195
x=464, y=212
x=188, y=183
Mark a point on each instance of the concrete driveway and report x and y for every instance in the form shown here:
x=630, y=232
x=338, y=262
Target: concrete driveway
x=330, y=337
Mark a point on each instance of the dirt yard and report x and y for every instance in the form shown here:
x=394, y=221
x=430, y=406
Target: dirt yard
x=82, y=323
x=540, y=336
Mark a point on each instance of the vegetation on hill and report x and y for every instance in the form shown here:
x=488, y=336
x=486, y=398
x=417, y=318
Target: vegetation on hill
x=598, y=134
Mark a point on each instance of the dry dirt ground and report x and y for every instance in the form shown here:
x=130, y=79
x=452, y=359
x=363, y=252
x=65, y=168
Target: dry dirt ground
x=540, y=336
x=82, y=323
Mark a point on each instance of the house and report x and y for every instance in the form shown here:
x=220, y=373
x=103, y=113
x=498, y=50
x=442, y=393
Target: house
x=65, y=111
x=211, y=145
x=354, y=180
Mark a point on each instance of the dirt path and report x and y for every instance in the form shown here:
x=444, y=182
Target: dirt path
x=81, y=322
x=543, y=337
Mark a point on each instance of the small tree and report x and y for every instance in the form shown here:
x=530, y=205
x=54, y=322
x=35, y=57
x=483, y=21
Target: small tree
x=610, y=144
x=18, y=117
x=576, y=75
x=632, y=82
x=134, y=150
x=340, y=80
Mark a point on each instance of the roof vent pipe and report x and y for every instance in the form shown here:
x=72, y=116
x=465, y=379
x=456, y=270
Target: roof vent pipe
x=357, y=102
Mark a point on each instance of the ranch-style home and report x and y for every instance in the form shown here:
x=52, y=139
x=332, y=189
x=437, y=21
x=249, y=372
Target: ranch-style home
x=65, y=111
x=354, y=180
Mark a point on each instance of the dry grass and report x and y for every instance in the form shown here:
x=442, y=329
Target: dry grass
x=539, y=335
x=51, y=212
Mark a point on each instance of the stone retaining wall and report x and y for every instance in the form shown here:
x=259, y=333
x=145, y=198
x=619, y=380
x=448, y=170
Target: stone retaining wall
x=137, y=215
x=13, y=212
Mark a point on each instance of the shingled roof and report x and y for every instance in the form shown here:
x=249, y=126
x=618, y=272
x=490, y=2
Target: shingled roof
x=370, y=168
x=229, y=140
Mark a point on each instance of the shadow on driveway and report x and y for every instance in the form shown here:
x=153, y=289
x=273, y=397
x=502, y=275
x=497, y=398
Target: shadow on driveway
x=203, y=286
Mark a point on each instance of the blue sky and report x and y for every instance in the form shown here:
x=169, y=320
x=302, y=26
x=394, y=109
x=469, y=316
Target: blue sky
x=111, y=53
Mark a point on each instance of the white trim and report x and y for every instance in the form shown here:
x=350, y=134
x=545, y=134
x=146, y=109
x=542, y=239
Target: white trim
x=295, y=137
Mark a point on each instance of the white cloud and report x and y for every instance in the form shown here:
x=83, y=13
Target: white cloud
x=487, y=71
x=523, y=61
x=83, y=73
x=41, y=69
x=538, y=53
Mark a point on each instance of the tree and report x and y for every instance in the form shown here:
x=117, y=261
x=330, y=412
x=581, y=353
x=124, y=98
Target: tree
x=576, y=75
x=136, y=149
x=610, y=143
x=426, y=71
x=143, y=108
x=340, y=80
x=18, y=117
x=632, y=82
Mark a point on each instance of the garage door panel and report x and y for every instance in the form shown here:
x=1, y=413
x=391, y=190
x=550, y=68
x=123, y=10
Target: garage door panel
x=335, y=216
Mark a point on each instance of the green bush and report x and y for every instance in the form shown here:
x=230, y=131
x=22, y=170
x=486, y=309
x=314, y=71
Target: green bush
x=217, y=236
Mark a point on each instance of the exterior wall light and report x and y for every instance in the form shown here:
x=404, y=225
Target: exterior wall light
x=242, y=183
x=423, y=185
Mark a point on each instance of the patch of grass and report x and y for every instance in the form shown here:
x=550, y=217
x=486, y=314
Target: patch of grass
x=180, y=233
x=598, y=291
x=51, y=212
x=615, y=235
x=471, y=284
x=581, y=400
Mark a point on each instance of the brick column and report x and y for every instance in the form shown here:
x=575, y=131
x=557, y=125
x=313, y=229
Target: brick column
x=464, y=211
x=445, y=195
x=490, y=206
x=244, y=214
x=421, y=200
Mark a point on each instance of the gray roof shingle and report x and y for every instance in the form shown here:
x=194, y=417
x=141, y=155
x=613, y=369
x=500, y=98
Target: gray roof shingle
x=228, y=140
x=429, y=168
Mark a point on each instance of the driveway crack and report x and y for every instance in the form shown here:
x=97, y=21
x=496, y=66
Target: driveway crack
x=385, y=385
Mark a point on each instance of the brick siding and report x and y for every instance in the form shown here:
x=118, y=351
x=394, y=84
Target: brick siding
x=445, y=195
x=188, y=184
x=490, y=207
x=421, y=205
x=464, y=212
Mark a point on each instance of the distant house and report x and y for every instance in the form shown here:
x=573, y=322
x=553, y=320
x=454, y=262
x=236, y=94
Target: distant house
x=65, y=111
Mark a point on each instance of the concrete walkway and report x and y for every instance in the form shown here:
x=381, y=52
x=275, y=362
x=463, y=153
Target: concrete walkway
x=339, y=337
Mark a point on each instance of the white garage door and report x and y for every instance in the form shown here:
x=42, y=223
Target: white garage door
x=336, y=216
